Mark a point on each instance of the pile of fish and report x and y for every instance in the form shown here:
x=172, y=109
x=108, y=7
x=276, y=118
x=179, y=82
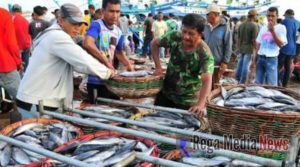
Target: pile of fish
x=175, y=120
x=216, y=161
x=256, y=97
x=39, y=136
x=103, y=151
x=228, y=80
x=106, y=110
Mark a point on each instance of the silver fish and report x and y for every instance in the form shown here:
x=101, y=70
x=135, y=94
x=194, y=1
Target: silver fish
x=26, y=127
x=26, y=138
x=116, y=158
x=5, y=155
x=223, y=93
x=100, y=157
x=86, y=155
x=20, y=156
x=202, y=161
x=244, y=163
x=2, y=144
x=54, y=137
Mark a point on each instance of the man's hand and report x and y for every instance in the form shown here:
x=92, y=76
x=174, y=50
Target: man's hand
x=159, y=71
x=271, y=26
x=200, y=111
x=20, y=67
x=113, y=73
x=223, y=68
x=130, y=67
x=110, y=66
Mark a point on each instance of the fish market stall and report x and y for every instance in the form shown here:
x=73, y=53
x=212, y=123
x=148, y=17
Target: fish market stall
x=40, y=133
x=256, y=111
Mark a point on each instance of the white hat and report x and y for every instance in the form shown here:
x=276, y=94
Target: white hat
x=213, y=8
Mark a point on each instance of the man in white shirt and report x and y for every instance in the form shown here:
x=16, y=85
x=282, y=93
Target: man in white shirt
x=49, y=76
x=159, y=28
x=270, y=39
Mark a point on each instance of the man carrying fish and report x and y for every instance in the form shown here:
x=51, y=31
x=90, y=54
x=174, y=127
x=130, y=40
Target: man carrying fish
x=189, y=74
x=103, y=40
x=49, y=76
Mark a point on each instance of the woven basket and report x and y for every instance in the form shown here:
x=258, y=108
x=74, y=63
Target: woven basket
x=237, y=122
x=10, y=128
x=135, y=87
x=104, y=134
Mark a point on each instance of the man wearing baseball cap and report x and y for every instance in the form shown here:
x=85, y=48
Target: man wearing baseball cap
x=287, y=52
x=218, y=36
x=49, y=76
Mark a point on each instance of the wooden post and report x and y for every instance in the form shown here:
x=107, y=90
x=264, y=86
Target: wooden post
x=41, y=108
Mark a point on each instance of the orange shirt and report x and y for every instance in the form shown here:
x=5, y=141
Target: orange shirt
x=9, y=50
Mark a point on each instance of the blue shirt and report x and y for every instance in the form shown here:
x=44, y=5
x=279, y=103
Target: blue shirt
x=292, y=26
x=105, y=37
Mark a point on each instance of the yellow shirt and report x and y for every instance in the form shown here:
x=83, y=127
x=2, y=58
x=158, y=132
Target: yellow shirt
x=87, y=18
x=159, y=28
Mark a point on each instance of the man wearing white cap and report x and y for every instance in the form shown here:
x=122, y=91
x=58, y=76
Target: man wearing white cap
x=218, y=36
x=49, y=76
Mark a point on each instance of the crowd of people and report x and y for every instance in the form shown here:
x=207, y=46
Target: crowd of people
x=38, y=58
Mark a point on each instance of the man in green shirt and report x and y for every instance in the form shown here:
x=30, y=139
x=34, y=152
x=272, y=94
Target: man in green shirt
x=189, y=74
x=171, y=23
x=247, y=34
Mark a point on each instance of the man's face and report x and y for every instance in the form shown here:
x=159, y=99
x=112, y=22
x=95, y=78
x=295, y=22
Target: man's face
x=160, y=16
x=190, y=36
x=56, y=14
x=111, y=13
x=212, y=17
x=272, y=17
x=70, y=28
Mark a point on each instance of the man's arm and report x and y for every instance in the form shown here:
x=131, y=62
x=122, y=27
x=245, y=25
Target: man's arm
x=155, y=55
x=79, y=58
x=276, y=38
x=90, y=46
x=228, y=46
x=124, y=60
x=204, y=92
x=153, y=29
x=227, y=52
x=145, y=28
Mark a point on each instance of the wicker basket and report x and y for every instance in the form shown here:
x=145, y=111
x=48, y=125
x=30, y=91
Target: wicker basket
x=104, y=134
x=135, y=87
x=237, y=122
